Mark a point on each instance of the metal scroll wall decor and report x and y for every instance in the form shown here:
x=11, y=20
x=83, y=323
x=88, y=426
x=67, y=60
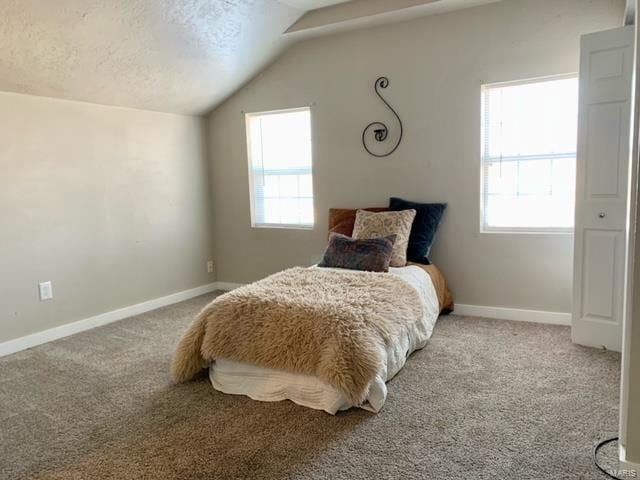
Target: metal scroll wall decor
x=379, y=130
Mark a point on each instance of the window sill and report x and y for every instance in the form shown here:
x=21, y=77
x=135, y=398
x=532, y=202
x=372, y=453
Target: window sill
x=515, y=231
x=276, y=226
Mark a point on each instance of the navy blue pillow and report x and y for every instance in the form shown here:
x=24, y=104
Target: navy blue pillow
x=423, y=230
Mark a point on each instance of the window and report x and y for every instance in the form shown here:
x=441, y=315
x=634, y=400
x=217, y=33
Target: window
x=529, y=132
x=280, y=168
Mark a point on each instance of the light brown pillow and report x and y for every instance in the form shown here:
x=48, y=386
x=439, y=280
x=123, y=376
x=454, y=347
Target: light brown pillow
x=341, y=220
x=383, y=224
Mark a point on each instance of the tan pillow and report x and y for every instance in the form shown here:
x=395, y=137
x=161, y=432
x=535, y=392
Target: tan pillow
x=383, y=224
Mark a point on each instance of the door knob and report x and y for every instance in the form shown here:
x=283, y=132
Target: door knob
x=602, y=214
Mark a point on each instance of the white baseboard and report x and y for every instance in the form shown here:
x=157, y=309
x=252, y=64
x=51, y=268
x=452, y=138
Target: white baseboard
x=229, y=286
x=521, y=315
x=38, y=338
x=626, y=464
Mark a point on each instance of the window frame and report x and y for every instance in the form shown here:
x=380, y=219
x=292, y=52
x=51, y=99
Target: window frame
x=512, y=230
x=252, y=199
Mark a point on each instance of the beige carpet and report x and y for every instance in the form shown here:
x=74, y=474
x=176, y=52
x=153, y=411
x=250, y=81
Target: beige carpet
x=485, y=399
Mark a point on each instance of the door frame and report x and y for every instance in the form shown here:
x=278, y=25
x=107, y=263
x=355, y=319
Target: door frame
x=630, y=345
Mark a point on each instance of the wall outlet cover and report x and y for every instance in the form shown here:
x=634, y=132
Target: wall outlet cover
x=46, y=291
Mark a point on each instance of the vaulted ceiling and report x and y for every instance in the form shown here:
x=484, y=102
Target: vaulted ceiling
x=182, y=56
x=168, y=55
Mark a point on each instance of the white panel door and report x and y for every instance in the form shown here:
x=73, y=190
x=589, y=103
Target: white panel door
x=606, y=65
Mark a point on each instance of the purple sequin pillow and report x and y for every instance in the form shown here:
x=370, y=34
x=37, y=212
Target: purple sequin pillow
x=371, y=254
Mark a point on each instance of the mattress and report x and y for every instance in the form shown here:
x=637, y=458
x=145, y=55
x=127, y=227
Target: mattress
x=270, y=385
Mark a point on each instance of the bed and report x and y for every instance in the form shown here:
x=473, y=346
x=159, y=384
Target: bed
x=324, y=337
x=271, y=385
x=259, y=381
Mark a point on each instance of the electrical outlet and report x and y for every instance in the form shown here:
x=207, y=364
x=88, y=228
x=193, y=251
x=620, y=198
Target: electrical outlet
x=46, y=291
x=210, y=266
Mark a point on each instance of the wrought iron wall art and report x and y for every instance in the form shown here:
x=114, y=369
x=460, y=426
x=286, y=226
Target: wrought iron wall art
x=380, y=130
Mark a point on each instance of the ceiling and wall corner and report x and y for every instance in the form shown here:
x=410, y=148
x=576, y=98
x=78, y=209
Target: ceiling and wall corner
x=366, y=13
x=311, y=4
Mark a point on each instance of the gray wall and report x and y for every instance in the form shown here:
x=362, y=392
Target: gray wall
x=436, y=66
x=110, y=204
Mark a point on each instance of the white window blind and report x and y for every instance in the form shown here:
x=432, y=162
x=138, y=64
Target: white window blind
x=280, y=168
x=529, y=132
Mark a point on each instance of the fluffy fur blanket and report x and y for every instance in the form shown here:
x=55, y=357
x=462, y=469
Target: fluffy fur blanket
x=328, y=323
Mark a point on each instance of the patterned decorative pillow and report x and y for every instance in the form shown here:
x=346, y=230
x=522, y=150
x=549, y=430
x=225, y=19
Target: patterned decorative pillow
x=382, y=224
x=341, y=220
x=373, y=254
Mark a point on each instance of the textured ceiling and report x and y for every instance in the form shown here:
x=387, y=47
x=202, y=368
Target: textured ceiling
x=180, y=56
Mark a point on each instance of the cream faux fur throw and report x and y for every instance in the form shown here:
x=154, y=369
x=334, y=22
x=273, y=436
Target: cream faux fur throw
x=328, y=323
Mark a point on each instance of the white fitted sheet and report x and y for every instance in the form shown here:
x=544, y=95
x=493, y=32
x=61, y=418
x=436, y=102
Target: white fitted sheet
x=270, y=385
